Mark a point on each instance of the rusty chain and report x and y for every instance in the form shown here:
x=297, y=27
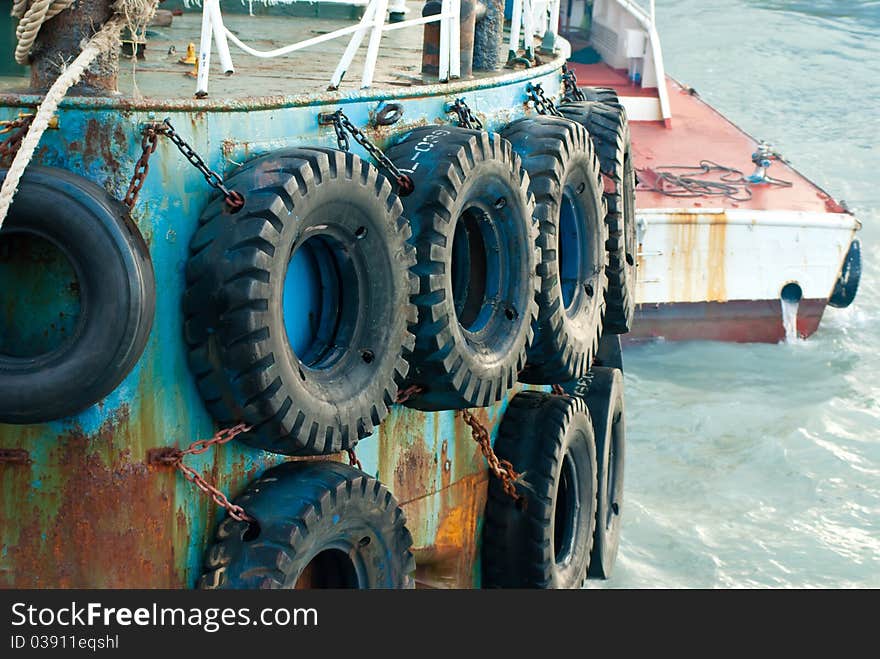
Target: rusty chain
x=466, y=116
x=502, y=469
x=353, y=459
x=570, y=84
x=558, y=390
x=543, y=105
x=409, y=392
x=234, y=200
x=341, y=124
x=9, y=147
x=173, y=457
x=149, y=142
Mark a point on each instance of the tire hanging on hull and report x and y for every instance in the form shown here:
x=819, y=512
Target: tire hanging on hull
x=298, y=306
x=545, y=543
x=608, y=127
x=565, y=180
x=606, y=404
x=319, y=525
x=475, y=240
x=117, y=297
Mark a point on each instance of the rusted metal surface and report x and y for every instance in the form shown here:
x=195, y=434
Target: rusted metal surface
x=14, y=456
x=91, y=509
x=488, y=35
x=60, y=40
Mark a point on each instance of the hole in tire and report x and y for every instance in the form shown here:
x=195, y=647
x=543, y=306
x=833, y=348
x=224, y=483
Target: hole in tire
x=565, y=512
x=331, y=568
x=360, y=233
x=471, y=265
x=629, y=259
x=320, y=301
x=252, y=532
x=41, y=306
x=367, y=356
x=568, y=248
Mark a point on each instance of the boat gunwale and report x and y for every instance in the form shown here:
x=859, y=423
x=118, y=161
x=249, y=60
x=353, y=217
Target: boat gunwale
x=247, y=104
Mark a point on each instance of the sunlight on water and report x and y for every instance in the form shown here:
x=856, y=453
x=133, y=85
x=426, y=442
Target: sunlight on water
x=759, y=465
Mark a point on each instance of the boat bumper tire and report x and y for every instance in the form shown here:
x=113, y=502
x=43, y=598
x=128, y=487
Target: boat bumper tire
x=319, y=525
x=608, y=127
x=114, y=279
x=476, y=250
x=565, y=180
x=606, y=404
x=544, y=542
x=298, y=306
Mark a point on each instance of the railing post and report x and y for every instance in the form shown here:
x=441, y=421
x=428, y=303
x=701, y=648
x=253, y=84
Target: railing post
x=375, y=39
x=205, y=43
x=352, y=48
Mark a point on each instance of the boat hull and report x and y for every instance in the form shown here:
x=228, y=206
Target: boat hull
x=718, y=274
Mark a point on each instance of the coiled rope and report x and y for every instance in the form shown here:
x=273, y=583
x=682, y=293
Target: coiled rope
x=128, y=13
x=31, y=15
x=708, y=179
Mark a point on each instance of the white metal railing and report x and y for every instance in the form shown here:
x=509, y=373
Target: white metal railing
x=641, y=15
x=216, y=34
x=529, y=19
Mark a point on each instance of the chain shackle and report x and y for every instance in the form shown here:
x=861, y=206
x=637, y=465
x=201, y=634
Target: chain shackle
x=174, y=458
x=570, y=85
x=466, y=116
x=502, y=469
x=342, y=125
x=543, y=105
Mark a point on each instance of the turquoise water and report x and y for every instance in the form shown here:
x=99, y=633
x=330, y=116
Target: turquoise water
x=759, y=465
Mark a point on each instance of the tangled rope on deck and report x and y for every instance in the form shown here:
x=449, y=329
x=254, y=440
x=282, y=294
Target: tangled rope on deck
x=133, y=14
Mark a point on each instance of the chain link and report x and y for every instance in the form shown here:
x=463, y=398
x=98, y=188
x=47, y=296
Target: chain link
x=233, y=199
x=174, y=458
x=149, y=142
x=543, y=104
x=466, y=117
x=9, y=147
x=501, y=469
x=353, y=459
x=409, y=392
x=341, y=124
x=570, y=84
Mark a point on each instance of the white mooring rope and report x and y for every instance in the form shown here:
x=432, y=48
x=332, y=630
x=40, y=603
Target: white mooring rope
x=129, y=13
x=31, y=15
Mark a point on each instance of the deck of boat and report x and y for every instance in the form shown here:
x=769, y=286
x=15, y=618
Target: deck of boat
x=698, y=132
x=305, y=72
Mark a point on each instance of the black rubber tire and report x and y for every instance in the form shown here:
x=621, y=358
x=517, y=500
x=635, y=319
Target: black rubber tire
x=564, y=172
x=239, y=347
x=549, y=440
x=304, y=509
x=606, y=403
x=473, y=182
x=605, y=95
x=847, y=284
x=117, y=297
x=608, y=127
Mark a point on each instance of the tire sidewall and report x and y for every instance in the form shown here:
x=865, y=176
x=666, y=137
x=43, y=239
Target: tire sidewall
x=606, y=403
x=117, y=297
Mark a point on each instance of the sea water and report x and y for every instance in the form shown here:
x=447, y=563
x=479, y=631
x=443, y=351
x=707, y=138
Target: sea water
x=759, y=465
